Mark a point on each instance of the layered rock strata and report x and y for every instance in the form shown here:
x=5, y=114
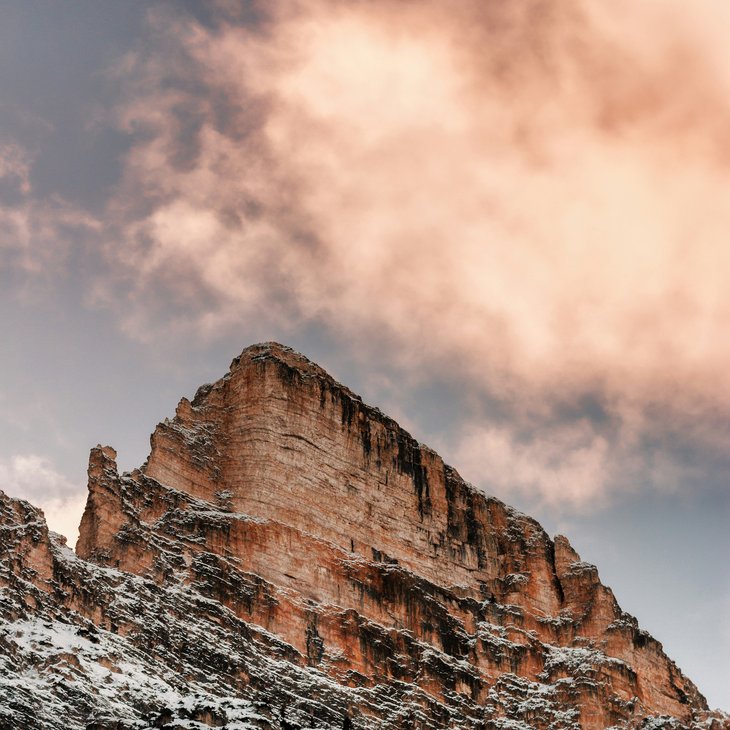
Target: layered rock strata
x=288, y=556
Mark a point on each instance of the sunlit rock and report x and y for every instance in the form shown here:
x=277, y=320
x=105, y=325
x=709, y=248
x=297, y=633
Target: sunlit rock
x=289, y=557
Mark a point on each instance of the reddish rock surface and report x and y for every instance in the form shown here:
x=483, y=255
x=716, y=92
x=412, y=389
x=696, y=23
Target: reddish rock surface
x=353, y=578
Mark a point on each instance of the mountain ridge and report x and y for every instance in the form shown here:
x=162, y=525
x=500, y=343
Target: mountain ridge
x=348, y=550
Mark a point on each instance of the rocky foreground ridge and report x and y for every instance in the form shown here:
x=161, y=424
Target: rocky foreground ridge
x=289, y=557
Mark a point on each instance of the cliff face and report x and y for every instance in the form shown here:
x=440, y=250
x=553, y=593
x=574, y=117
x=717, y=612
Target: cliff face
x=290, y=557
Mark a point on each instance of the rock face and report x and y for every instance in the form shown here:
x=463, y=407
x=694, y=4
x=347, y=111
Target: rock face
x=290, y=557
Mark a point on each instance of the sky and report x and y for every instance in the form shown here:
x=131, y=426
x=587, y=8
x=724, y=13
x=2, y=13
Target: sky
x=502, y=222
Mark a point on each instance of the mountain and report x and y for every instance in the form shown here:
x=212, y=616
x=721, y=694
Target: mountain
x=289, y=557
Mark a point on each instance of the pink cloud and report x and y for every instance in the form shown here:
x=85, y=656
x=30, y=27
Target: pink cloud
x=569, y=465
x=533, y=193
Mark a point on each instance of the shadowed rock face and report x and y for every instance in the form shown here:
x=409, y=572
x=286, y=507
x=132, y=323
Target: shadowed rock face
x=290, y=557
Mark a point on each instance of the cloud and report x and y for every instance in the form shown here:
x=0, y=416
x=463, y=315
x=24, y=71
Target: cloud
x=14, y=167
x=33, y=477
x=571, y=465
x=574, y=463
x=36, y=232
x=530, y=194
x=544, y=220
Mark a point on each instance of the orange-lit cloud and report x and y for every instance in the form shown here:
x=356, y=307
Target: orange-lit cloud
x=535, y=193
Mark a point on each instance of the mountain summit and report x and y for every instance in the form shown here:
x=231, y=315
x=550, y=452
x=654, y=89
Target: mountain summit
x=289, y=557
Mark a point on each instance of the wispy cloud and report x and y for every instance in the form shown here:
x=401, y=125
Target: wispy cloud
x=36, y=232
x=33, y=477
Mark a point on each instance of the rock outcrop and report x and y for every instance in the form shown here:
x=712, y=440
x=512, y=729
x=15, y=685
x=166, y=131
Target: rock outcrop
x=288, y=557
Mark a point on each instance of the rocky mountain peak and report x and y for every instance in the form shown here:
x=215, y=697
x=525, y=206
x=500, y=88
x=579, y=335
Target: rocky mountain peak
x=289, y=557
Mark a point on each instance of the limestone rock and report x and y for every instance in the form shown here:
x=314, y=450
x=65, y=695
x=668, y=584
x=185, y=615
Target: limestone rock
x=288, y=556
